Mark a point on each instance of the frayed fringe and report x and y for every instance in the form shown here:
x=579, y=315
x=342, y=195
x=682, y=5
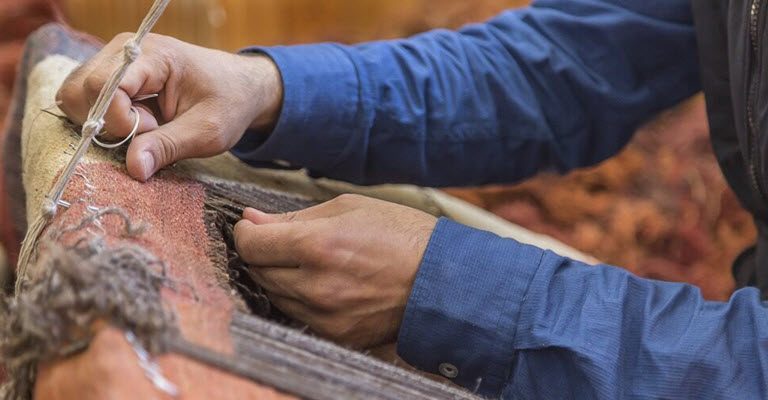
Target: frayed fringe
x=68, y=291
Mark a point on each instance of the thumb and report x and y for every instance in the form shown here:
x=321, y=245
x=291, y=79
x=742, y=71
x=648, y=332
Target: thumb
x=187, y=136
x=324, y=210
x=260, y=218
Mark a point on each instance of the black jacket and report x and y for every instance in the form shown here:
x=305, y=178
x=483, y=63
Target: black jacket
x=732, y=38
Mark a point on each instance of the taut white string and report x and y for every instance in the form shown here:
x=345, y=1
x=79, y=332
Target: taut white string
x=95, y=121
x=92, y=126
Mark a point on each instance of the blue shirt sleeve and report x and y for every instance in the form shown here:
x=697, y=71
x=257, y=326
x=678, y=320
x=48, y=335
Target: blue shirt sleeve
x=558, y=85
x=521, y=322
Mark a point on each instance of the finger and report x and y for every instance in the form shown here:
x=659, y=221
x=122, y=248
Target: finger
x=80, y=89
x=152, y=106
x=120, y=120
x=190, y=135
x=323, y=210
x=269, y=245
x=147, y=119
x=71, y=98
x=143, y=77
x=278, y=281
x=83, y=86
x=259, y=217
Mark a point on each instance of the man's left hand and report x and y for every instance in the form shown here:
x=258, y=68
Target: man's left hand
x=344, y=267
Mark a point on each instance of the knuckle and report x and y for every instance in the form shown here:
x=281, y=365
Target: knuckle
x=122, y=37
x=153, y=37
x=210, y=129
x=66, y=96
x=168, y=147
x=71, y=88
x=325, y=250
x=315, y=250
x=216, y=142
x=92, y=85
x=211, y=124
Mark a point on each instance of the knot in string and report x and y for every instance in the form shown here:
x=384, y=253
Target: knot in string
x=131, y=51
x=49, y=208
x=92, y=127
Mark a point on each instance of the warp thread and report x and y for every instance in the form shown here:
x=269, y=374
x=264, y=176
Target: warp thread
x=224, y=206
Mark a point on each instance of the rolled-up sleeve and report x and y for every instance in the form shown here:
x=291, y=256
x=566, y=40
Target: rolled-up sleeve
x=516, y=321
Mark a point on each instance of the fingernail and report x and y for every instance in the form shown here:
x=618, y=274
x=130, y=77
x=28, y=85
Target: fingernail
x=249, y=213
x=255, y=216
x=147, y=162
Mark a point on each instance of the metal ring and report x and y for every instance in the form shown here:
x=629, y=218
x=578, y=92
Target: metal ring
x=127, y=138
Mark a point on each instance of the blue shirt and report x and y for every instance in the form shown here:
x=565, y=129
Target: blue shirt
x=558, y=85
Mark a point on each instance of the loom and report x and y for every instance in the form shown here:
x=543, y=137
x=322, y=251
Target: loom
x=136, y=290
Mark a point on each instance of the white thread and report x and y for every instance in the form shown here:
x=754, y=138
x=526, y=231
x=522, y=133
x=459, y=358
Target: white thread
x=150, y=367
x=131, y=51
x=130, y=136
x=143, y=97
x=49, y=208
x=91, y=128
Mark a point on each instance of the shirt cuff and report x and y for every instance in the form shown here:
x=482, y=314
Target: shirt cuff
x=461, y=317
x=321, y=108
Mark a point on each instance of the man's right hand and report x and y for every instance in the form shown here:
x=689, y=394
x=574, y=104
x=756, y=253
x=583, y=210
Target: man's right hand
x=207, y=99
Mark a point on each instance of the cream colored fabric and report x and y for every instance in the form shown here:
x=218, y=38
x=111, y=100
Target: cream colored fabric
x=45, y=144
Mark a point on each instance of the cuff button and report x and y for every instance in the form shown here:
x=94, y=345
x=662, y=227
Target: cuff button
x=448, y=370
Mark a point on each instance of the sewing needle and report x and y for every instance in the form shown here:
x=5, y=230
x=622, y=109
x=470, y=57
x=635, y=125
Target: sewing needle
x=145, y=97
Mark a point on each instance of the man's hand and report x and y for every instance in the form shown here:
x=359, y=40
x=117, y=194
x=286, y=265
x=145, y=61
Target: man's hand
x=345, y=267
x=207, y=99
